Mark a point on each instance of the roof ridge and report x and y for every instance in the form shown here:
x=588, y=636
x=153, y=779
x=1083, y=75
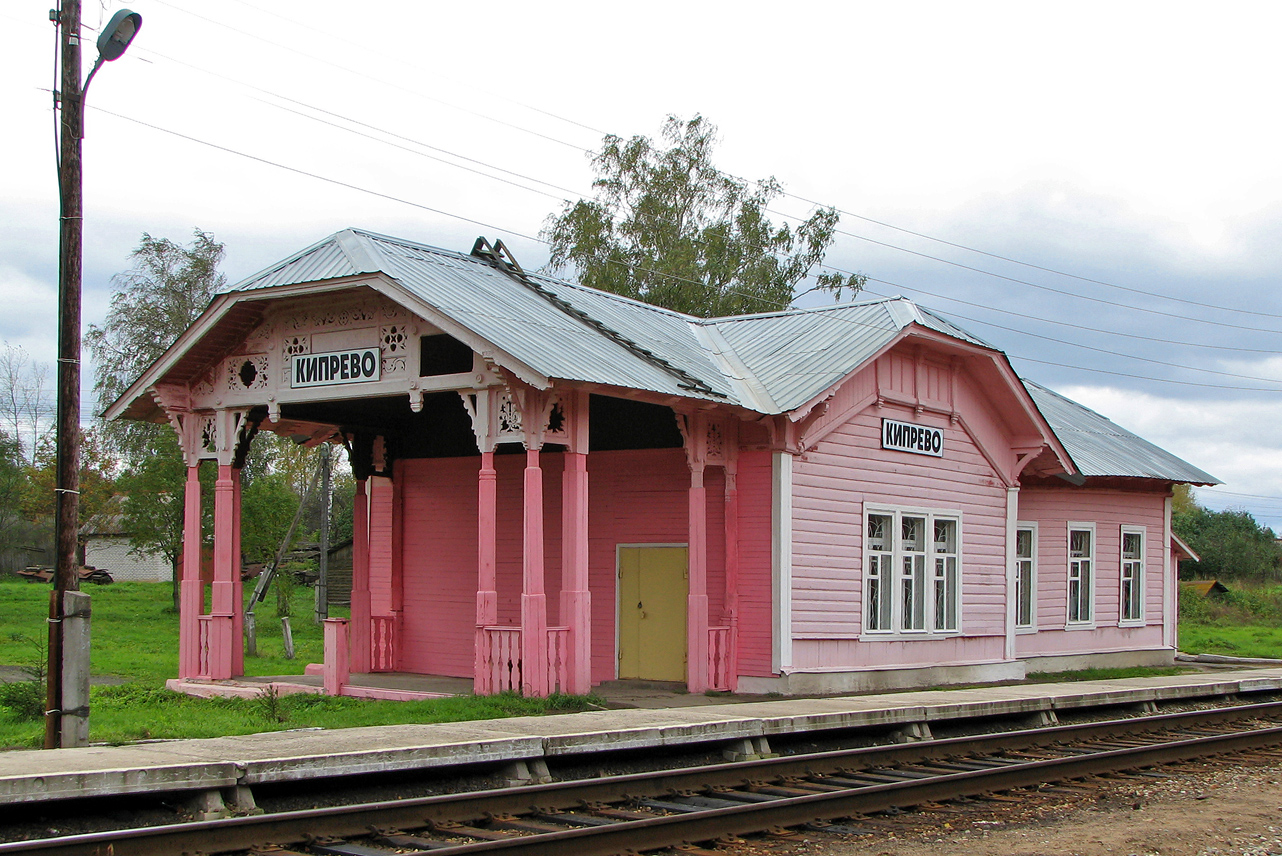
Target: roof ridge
x=799, y=310
x=501, y=259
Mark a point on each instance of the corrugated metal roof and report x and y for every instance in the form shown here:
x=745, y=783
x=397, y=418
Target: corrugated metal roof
x=1100, y=447
x=773, y=362
x=797, y=355
x=496, y=307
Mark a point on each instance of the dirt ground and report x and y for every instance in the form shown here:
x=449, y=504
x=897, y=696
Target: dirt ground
x=1224, y=809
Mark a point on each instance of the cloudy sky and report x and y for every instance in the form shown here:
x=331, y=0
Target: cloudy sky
x=1094, y=187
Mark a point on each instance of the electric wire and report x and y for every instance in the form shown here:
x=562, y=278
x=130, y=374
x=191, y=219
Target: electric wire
x=847, y=233
x=535, y=239
x=372, y=78
x=817, y=204
x=1035, y=266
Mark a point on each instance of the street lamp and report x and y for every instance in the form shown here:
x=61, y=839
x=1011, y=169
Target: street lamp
x=67, y=695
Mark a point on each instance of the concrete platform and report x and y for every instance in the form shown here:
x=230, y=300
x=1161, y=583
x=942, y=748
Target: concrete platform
x=245, y=761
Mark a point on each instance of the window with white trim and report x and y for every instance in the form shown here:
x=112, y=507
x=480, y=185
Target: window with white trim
x=1025, y=571
x=1132, y=574
x=912, y=582
x=1081, y=573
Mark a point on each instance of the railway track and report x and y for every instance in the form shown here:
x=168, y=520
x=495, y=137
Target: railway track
x=643, y=811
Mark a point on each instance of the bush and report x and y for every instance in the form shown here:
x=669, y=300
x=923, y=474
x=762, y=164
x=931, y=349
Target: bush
x=26, y=699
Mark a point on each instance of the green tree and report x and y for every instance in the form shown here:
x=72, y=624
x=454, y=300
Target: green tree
x=1231, y=543
x=97, y=477
x=158, y=298
x=667, y=227
x=13, y=484
x=165, y=289
x=270, y=503
x=153, y=508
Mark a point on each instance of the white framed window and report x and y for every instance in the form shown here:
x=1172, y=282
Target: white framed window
x=1132, y=564
x=912, y=581
x=879, y=557
x=1025, y=575
x=945, y=580
x=1081, y=574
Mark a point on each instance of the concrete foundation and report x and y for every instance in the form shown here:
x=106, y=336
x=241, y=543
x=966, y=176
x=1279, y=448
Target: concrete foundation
x=883, y=680
x=1112, y=660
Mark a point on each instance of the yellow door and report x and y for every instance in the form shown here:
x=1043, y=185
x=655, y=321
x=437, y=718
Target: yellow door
x=652, y=613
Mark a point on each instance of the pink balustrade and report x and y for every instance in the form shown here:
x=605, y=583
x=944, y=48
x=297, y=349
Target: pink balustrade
x=558, y=659
x=719, y=658
x=204, y=667
x=500, y=659
x=383, y=643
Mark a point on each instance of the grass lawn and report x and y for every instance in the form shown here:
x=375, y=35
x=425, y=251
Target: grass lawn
x=135, y=637
x=1246, y=622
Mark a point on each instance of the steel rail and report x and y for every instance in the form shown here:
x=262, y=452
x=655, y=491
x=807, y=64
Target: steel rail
x=234, y=834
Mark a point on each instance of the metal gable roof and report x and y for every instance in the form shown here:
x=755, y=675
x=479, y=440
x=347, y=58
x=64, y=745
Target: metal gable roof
x=1101, y=448
x=770, y=363
x=798, y=354
x=498, y=308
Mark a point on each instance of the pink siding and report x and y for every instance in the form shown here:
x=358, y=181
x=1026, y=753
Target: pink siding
x=756, y=592
x=640, y=497
x=635, y=497
x=832, y=654
x=439, y=555
x=1052, y=508
x=847, y=470
x=380, y=545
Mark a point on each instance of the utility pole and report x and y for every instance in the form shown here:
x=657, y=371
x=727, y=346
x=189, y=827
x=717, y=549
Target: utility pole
x=67, y=693
x=322, y=565
x=67, y=496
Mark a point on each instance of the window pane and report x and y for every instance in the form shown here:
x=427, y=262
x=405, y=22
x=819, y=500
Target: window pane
x=878, y=526
x=1079, y=543
x=913, y=534
x=946, y=536
x=1132, y=545
x=1024, y=594
x=1024, y=543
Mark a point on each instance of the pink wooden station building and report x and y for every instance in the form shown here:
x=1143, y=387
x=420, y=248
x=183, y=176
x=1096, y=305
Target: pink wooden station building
x=558, y=487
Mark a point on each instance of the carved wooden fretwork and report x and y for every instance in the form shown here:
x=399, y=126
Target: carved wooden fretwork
x=509, y=415
x=710, y=439
x=509, y=419
x=791, y=436
x=245, y=373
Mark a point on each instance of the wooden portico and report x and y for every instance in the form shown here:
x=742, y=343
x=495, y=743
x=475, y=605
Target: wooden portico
x=423, y=403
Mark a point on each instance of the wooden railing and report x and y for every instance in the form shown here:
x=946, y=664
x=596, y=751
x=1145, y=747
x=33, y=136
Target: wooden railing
x=383, y=643
x=719, y=658
x=558, y=659
x=499, y=658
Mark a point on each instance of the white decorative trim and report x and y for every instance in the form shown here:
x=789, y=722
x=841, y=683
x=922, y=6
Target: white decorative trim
x=781, y=561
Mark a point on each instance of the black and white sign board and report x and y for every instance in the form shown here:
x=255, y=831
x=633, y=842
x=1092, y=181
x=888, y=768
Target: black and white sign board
x=906, y=437
x=359, y=365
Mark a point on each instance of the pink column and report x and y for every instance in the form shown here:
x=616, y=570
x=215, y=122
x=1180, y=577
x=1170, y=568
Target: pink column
x=576, y=599
x=222, y=605
x=337, y=670
x=534, y=619
x=238, y=585
x=360, y=627
x=697, y=621
x=487, y=597
x=732, y=573
x=191, y=590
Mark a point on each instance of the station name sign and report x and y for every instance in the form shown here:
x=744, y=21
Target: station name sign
x=361, y=365
x=906, y=437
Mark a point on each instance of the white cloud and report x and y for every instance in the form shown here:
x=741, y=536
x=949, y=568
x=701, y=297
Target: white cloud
x=1235, y=440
